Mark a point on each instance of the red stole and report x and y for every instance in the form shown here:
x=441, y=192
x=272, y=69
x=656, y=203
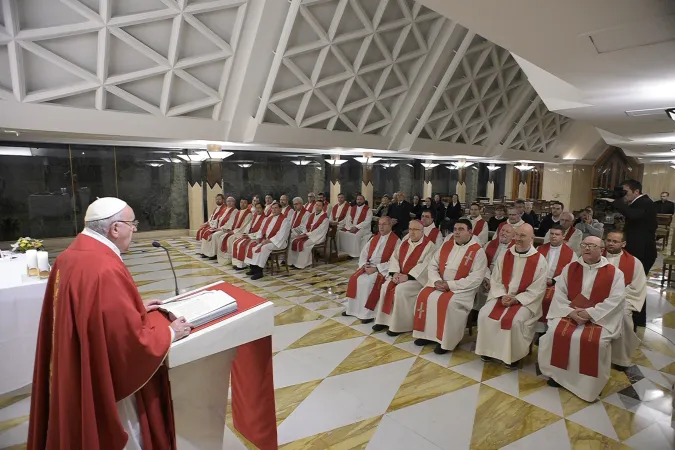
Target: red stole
x=491, y=250
x=374, y=295
x=267, y=210
x=285, y=210
x=343, y=213
x=217, y=212
x=239, y=246
x=206, y=234
x=265, y=234
x=297, y=218
x=362, y=216
x=569, y=233
x=238, y=221
x=566, y=256
x=626, y=265
x=589, y=345
x=298, y=244
x=406, y=267
x=478, y=229
x=309, y=207
x=444, y=300
x=525, y=282
x=433, y=235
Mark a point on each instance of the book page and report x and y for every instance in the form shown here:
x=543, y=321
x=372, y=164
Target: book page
x=198, y=305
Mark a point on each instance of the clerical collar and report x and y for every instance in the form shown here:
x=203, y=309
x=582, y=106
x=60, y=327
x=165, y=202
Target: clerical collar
x=612, y=254
x=461, y=245
x=519, y=252
x=103, y=240
x=555, y=246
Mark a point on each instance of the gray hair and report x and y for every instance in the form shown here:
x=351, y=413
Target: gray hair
x=103, y=226
x=297, y=199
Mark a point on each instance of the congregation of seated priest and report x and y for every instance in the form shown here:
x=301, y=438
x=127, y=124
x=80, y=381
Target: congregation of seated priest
x=560, y=280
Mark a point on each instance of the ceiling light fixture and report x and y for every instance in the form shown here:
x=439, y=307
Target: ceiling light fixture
x=523, y=167
x=195, y=157
x=461, y=164
x=15, y=151
x=11, y=132
x=429, y=165
x=155, y=164
x=219, y=155
x=245, y=165
x=367, y=160
x=300, y=162
x=172, y=160
x=671, y=113
x=389, y=165
x=410, y=165
x=336, y=162
x=492, y=167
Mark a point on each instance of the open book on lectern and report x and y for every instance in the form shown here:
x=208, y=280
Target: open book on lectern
x=201, y=307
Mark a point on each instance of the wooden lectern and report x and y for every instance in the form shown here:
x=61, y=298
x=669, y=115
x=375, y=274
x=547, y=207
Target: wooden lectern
x=199, y=372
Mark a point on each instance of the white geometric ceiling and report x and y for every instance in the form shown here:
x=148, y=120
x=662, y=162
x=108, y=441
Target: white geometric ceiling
x=160, y=57
x=389, y=74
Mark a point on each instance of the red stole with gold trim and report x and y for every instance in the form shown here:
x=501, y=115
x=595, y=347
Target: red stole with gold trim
x=238, y=221
x=343, y=213
x=362, y=216
x=406, y=267
x=298, y=244
x=239, y=246
x=478, y=229
x=374, y=295
x=433, y=234
x=491, y=250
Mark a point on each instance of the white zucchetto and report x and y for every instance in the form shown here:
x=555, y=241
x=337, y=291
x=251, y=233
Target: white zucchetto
x=103, y=208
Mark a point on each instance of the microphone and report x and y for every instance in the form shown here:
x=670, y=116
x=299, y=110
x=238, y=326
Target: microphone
x=175, y=279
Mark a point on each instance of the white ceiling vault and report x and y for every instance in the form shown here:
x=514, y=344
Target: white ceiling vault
x=373, y=74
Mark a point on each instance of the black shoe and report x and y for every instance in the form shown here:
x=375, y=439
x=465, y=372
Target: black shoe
x=551, y=382
x=251, y=270
x=393, y=333
x=213, y=258
x=344, y=314
x=239, y=268
x=620, y=368
x=422, y=342
x=204, y=256
x=367, y=320
x=440, y=350
x=378, y=327
x=257, y=276
x=486, y=359
x=513, y=365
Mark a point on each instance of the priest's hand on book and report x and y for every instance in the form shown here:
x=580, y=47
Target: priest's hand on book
x=181, y=328
x=152, y=305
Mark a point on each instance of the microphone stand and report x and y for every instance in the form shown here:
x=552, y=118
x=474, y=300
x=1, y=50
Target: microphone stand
x=175, y=279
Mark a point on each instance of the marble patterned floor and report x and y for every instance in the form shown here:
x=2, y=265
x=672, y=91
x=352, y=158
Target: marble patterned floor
x=338, y=385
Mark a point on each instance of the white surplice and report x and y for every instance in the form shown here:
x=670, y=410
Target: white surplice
x=336, y=211
x=512, y=345
x=574, y=242
x=514, y=225
x=209, y=244
x=405, y=296
x=364, y=284
x=352, y=243
x=636, y=292
x=482, y=293
x=439, y=237
x=608, y=314
x=464, y=292
x=239, y=230
x=277, y=242
x=255, y=224
x=317, y=235
x=483, y=237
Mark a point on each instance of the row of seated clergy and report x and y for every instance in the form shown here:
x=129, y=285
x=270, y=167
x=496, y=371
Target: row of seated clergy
x=479, y=226
x=355, y=232
x=517, y=286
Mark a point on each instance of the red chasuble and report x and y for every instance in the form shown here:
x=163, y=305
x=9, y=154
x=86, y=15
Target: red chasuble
x=406, y=266
x=239, y=246
x=298, y=244
x=525, y=282
x=297, y=218
x=343, y=214
x=374, y=295
x=238, y=221
x=266, y=233
x=566, y=257
x=362, y=216
x=444, y=301
x=207, y=233
x=96, y=346
x=589, y=345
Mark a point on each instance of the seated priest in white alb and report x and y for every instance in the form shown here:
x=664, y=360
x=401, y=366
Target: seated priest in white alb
x=311, y=200
x=242, y=223
x=430, y=229
x=356, y=231
x=363, y=290
x=506, y=324
x=313, y=233
x=407, y=275
x=240, y=244
x=493, y=250
x=571, y=235
x=298, y=218
x=269, y=200
x=339, y=211
x=455, y=272
x=514, y=220
x=285, y=207
x=211, y=225
x=254, y=200
x=322, y=199
x=223, y=224
x=586, y=315
x=636, y=291
x=273, y=235
x=558, y=255
x=479, y=225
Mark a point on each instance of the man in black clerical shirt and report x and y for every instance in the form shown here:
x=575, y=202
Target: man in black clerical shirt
x=664, y=206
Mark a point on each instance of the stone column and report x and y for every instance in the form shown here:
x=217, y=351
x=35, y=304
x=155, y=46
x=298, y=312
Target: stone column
x=214, y=183
x=508, y=182
x=367, y=183
x=334, y=183
x=427, y=187
x=460, y=189
x=490, y=191
x=195, y=193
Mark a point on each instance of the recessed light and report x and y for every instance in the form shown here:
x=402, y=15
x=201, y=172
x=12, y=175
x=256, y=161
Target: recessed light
x=671, y=113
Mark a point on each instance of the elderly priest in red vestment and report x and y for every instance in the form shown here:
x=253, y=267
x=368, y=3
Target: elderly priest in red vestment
x=224, y=224
x=636, y=291
x=506, y=324
x=211, y=225
x=514, y=219
x=586, y=315
x=455, y=272
x=313, y=233
x=99, y=380
x=407, y=275
x=339, y=211
x=493, y=250
x=273, y=235
x=240, y=226
x=356, y=230
x=363, y=290
x=571, y=235
x=241, y=244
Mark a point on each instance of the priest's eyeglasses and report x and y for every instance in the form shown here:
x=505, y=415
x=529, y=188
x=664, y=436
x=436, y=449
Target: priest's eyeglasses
x=589, y=246
x=131, y=223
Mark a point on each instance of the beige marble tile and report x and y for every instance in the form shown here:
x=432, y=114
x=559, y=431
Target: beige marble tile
x=11, y=423
x=427, y=380
x=581, y=438
x=501, y=419
x=618, y=381
x=329, y=331
x=370, y=353
x=640, y=359
x=460, y=356
x=296, y=314
x=288, y=398
x=626, y=423
x=403, y=338
x=350, y=437
x=528, y=383
x=570, y=402
x=493, y=370
x=8, y=400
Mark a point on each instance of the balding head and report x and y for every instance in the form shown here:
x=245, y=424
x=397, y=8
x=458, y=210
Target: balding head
x=591, y=249
x=566, y=220
x=524, y=237
x=506, y=234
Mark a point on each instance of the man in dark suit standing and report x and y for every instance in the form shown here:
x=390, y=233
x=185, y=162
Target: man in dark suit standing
x=639, y=212
x=401, y=214
x=665, y=206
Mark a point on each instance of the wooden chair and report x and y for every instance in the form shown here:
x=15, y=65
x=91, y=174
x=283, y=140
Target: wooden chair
x=669, y=263
x=329, y=247
x=274, y=258
x=663, y=222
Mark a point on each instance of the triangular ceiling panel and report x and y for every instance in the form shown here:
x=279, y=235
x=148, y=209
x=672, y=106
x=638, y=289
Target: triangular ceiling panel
x=315, y=107
x=5, y=75
x=42, y=74
x=203, y=113
x=116, y=103
x=221, y=22
x=333, y=91
x=285, y=80
x=91, y=4
x=123, y=58
x=84, y=100
x=43, y=14
x=349, y=22
x=155, y=35
x=128, y=7
x=80, y=50
x=392, y=13
x=183, y=92
x=324, y=13
x=194, y=43
x=331, y=66
x=147, y=89
x=302, y=33
x=210, y=73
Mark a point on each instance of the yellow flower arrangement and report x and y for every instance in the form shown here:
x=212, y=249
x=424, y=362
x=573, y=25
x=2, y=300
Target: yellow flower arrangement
x=26, y=243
